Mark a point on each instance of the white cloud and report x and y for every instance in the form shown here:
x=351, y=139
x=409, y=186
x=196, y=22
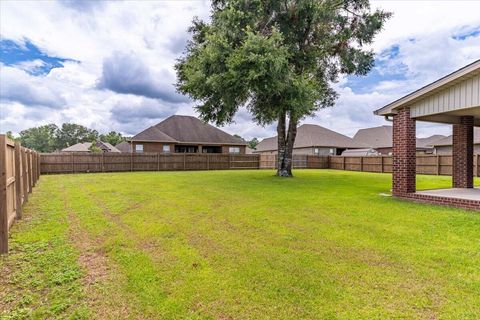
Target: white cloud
x=153, y=33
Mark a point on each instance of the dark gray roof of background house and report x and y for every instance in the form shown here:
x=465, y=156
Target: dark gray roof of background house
x=448, y=141
x=382, y=137
x=186, y=129
x=124, y=146
x=376, y=137
x=153, y=134
x=429, y=141
x=85, y=147
x=78, y=147
x=311, y=135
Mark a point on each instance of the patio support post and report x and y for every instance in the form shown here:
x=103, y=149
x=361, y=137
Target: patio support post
x=404, y=153
x=462, y=173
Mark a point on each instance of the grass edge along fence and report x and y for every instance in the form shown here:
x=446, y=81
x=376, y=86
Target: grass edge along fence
x=19, y=173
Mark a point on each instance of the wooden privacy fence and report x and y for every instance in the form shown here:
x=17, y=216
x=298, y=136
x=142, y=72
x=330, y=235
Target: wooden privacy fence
x=426, y=164
x=19, y=170
x=300, y=161
x=116, y=162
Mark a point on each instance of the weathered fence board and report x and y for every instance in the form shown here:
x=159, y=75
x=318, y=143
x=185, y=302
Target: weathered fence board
x=19, y=172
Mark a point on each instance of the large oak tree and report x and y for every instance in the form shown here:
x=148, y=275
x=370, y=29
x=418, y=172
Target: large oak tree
x=277, y=58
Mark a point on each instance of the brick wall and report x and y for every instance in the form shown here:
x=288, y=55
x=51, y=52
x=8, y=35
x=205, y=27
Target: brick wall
x=463, y=153
x=404, y=153
x=445, y=201
x=154, y=146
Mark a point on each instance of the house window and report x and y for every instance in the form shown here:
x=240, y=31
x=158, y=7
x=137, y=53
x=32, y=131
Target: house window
x=234, y=150
x=139, y=148
x=316, y=151
x=166, y=148
x=332, y=151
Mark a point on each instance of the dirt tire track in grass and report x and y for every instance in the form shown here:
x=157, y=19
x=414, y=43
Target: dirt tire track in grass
x=100, y=280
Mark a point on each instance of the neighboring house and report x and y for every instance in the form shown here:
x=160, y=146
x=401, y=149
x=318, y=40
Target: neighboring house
x=186, y=134
x=313, y=140
x=124, y=146
x=380, y=138
x=85, y=147
x=444, y=146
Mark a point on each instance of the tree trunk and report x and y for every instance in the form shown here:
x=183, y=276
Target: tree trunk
x=281, y=133
x=286, y=140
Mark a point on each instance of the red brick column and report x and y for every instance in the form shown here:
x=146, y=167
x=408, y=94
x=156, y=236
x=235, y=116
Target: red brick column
x=404, y=153
x=462, y=150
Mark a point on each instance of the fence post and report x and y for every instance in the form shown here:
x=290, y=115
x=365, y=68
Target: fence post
x=158, y=161
x=382, y=167
x=361, y=164
x=184, y=158
x=25, y=175
x=230, y=161
x=18, y=179
x=39, y=160
x=36, y=166
x=34, y=170
x=478, y=173
x=3, y=196
x=103, y=161
x=208, y=161
x=30, y=176
x=343, y=165
x=131, y=161
x=438, y=165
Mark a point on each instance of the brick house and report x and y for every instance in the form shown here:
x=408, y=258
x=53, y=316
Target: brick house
x=186, y=134
x=453, y=99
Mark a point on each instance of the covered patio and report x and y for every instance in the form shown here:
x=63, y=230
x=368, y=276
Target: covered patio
x=453, y=99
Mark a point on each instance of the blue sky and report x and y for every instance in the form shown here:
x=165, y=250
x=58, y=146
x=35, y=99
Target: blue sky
x=26, y=53
x=109, y=65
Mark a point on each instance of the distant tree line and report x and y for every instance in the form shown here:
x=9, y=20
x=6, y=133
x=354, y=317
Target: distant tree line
x=50, y=137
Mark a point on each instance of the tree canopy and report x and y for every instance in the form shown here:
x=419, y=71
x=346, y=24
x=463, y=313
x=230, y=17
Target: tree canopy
x=278, y=59
x=49, y=138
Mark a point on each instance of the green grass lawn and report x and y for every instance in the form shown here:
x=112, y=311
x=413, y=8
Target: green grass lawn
x=239, y=245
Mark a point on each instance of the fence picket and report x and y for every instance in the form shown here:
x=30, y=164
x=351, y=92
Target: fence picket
x=18, y=180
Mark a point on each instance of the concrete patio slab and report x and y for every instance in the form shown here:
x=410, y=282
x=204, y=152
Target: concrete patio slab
x=456, y=193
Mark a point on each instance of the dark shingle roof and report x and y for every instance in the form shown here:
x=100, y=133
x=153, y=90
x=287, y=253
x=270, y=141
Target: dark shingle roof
x=429, y=141
x=448, y=141
x=382, y=137
x=124, y=146
x=186, y=129
x=376, y=137
x=85, y=147
x=311, y=135
x=153, y=134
